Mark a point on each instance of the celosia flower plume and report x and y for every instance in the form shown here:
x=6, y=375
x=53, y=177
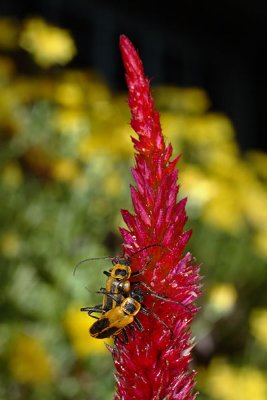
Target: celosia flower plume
x=154, y=365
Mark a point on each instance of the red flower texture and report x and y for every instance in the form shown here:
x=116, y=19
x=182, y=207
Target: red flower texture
x=155, y=364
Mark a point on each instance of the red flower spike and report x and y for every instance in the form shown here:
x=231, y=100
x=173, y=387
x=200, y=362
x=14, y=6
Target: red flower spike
x=154, y=365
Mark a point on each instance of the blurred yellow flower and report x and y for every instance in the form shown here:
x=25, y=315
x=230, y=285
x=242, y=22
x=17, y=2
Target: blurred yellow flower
x=71, y=121
x=69, y=94
x=29, y=362
x=189, y=100
x=48, y=44
x=255, y=206
x=12, y=175
x=76, y=324
x=225, y=382
x=224, y=210
x=9, y=244
x=258, y=325
x=260, y=243
x=7, y=68
x=222, y=298
x=121, y=141
x=210, y=130
x=113, y=184
x=174, y=125
x=220, y=159
x=9, y=29
x=65, y=170
x=199, y=188
x=99, y=97
x=115, y=142
x=29, y=90
x=87, y=146
x=258, y=161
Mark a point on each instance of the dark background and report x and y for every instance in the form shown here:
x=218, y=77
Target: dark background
x=219, y=46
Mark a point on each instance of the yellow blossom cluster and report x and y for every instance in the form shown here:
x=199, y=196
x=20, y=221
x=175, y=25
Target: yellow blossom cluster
x=48, y=44
x=258, y=325
x=223, y=381
x=221, y=298
x=216, y=177
x=29, y=361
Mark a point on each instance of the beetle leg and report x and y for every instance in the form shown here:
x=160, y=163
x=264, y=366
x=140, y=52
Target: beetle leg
x=125, y=339
x=90, y=310
x=138, y=324
x=107, y=293
x=125, y=336
x=131, y=329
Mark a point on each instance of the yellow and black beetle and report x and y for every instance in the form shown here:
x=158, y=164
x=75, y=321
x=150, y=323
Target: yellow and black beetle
x=118, y=283
x=123, y=314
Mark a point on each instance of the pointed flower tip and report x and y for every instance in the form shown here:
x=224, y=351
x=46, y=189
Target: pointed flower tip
x=130, y=57
x=126, y=46
x=124, y=40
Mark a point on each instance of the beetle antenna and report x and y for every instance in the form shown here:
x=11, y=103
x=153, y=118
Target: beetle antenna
x=90, y=259
x=145, y=248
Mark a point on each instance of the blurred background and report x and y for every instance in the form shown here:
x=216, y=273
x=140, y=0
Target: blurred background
x=65, y=173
